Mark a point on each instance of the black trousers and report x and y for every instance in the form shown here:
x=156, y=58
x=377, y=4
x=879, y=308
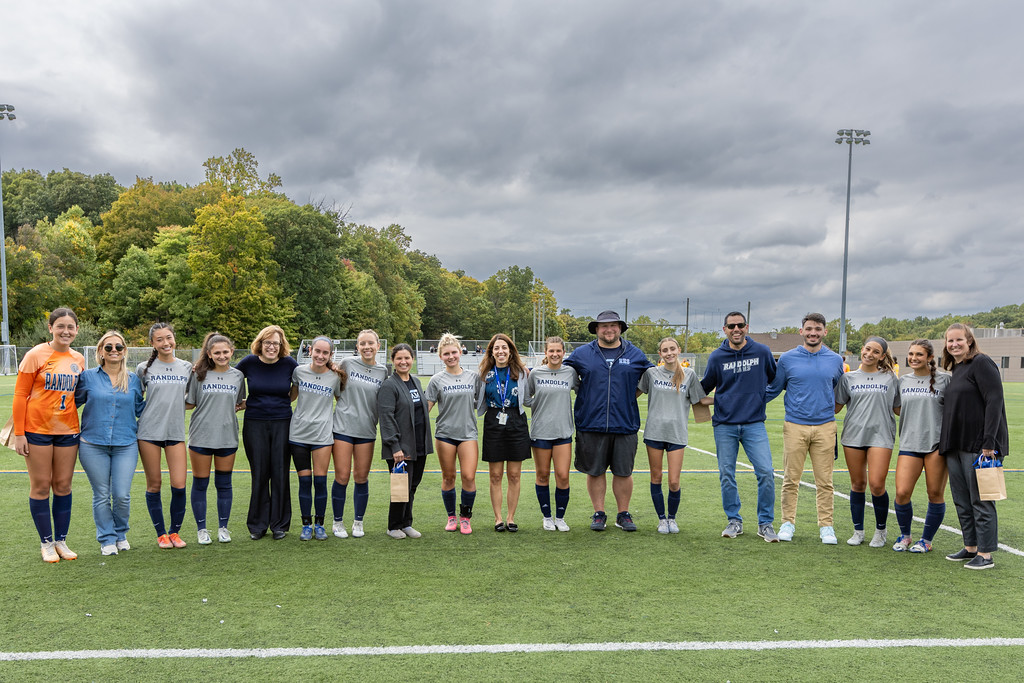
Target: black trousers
x=266, y=447
x=977, y=517
x=400, y=514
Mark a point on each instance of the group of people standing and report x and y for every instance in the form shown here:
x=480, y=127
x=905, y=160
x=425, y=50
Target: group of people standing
x=945, y=422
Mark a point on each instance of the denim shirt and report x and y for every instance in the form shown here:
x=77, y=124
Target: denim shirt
x=110, y=416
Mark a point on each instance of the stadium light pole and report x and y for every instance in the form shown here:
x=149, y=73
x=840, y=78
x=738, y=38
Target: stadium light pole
x=851, y=137
x=6, y=112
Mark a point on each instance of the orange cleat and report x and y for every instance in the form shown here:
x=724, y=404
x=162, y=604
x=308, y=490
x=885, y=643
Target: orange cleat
x=164, y=542
x=176, y=540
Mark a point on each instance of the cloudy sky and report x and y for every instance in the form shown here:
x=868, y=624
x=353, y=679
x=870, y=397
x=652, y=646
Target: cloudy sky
x=649, y=151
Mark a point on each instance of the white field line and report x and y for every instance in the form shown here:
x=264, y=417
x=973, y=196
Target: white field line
x=505, y=648
x=946, y=527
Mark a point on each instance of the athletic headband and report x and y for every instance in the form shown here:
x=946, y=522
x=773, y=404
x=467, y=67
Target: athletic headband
x=878, y=340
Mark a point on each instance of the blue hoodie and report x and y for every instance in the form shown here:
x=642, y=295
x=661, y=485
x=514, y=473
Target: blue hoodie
x=606, y=399
x=809, y=380
x=740, y=378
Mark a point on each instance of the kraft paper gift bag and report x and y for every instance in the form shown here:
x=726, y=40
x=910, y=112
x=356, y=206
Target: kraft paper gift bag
x=400, y=484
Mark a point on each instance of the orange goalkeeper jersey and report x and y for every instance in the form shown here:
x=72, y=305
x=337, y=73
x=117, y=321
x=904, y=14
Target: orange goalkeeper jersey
x=44, y=395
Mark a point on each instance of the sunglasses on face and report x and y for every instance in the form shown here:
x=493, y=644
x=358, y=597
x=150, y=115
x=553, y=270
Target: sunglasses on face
x=113, y=347
x=734, y=326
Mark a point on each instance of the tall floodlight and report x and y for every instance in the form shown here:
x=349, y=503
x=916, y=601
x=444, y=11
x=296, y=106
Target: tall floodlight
x=851, y=137
x=6, y=112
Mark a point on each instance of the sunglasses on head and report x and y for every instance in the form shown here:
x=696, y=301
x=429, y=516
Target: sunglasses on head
x=733, y=326
x=113, y=347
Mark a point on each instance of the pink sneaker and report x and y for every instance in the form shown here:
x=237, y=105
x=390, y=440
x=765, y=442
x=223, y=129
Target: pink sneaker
x=464, y=526
x=452, y=524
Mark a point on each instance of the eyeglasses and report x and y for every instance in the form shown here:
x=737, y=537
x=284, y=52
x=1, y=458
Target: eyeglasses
x=734, y=326
x=271, y=343
x=113, y=347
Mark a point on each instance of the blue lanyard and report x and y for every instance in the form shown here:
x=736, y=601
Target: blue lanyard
x=502, y=388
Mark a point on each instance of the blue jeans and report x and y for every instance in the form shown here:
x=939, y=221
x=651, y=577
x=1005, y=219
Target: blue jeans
x=754, y=438
x=110, y=470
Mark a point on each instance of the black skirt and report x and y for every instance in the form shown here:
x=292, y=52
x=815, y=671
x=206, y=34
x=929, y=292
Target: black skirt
x=509, y=442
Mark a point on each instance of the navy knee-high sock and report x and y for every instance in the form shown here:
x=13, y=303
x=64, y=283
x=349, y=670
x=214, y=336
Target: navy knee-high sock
x=320, y=497
x=40, y=510
x=222, y=480
x=544, y=498
x=359, y=500
x=306, y=498
x=156, y=511
x=199, y=487
x=338, y=494
x=659, y=500
x=933, y=520
x=857, y=509
x=881, y=504
x=448, y=498
x=904, y=516
x=468, y=498
x=673, y=501
x=561, y=501
x=177, y=509
x=61, y=516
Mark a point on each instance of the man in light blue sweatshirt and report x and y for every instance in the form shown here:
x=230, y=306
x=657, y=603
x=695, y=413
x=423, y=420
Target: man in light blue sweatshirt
x=808, y=374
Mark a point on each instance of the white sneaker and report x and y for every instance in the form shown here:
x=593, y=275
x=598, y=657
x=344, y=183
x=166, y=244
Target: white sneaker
x=560, y=524
x=828, y=535
x=123, y=545
x=410, y=532
x=64, y=551
x=879, y=539
x=49, y=554
x=223, y=535
x=662, y=526
x=857, y=538
x=396, y=533
x=786, y=531
x=673, y=528
x=357, y=528
x=204, y=537
x=339, y=528
x=549, y=524
x=109, y=549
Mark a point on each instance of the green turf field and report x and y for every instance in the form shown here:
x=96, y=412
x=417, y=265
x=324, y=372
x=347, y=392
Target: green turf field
x=532, y=587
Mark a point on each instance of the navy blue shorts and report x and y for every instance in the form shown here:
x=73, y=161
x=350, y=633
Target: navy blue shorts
x=355, y=441
x=164, y=444
x=548, y=444
x=219, y=452
x=58, y=440
x=912, y=454
x=453, y=442
x=664, y=445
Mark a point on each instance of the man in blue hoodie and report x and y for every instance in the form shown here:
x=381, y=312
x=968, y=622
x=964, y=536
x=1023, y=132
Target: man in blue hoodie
x=607, y=415
x=808, y=374
x=739, y=372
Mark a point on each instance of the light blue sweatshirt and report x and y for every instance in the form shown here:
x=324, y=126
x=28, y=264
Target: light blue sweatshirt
x=809, y=380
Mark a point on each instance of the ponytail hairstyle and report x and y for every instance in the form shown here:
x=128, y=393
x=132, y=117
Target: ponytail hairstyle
x=152, y=357
x=205, y=362
x=515, y=363
x=886, y=363
x=679, y=375
x=120, y=381
x=336, y=369
x=930, y=350
x=551, y=340
x=448, y=339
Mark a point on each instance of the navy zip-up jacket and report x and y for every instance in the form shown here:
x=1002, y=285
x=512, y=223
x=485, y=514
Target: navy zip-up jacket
x=740, y=379
x=606, y=399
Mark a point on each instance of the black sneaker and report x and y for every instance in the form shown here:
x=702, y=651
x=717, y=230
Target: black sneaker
x=625, y=522
x=961, y=555
x=979, y=562
x=598, y=521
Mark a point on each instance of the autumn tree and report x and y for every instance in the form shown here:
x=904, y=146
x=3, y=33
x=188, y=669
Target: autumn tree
x=238, y=172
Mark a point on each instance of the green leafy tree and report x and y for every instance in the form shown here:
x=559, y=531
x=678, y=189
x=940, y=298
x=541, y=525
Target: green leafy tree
x=69, y=252
x=175, y=294
x=32, y=288
x=510, y=291
x=238, y=172
x=384, y=257
x=124, y=306
x=575, y=326
x=29, y=197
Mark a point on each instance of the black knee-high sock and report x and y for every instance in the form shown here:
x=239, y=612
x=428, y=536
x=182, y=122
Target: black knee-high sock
x=881, y=504
x=338, y=494
x=359, y=500
x=933, y=520
x=904, y=516
x=40, y=510
x=306, y=498
x=658, y=498
x=448, y=498
x=177, y=509
x=320, y=498
x=673, y=501
x=561, y=501
x=222, y=480
x=544, y=498
x=468, y=498
x=199, y=487
x=857, y=509
x=156, y=511
x=61, y=516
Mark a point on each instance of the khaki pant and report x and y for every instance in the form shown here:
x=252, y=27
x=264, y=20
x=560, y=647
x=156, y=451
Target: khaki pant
x=799, y=441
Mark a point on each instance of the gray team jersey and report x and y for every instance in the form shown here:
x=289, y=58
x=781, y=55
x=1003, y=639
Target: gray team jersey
x=921, y=412
x=547, y=394
x=311, y=419
x=869, y=398
x=214, y=423
x=356, y=412
x=668, y=410
x=455, y=396
x=163, y=418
